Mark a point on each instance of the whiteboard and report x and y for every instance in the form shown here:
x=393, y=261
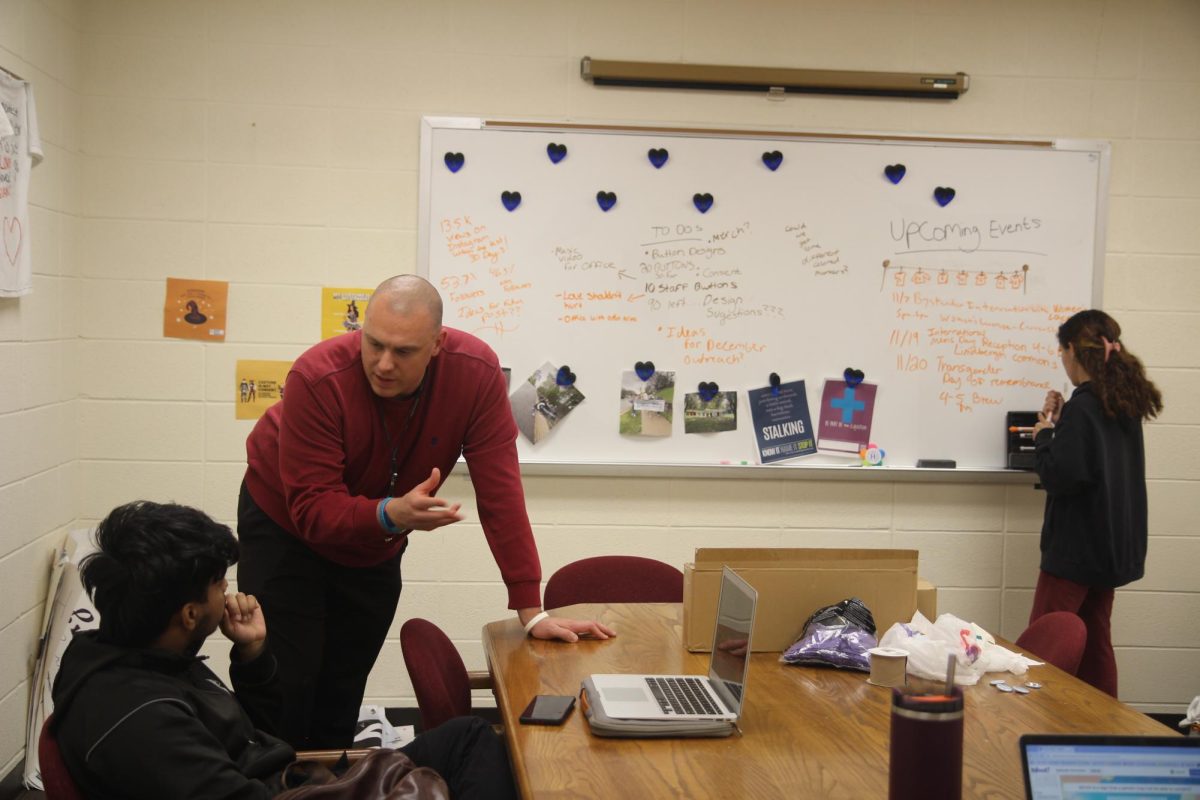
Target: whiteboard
x=822, y=263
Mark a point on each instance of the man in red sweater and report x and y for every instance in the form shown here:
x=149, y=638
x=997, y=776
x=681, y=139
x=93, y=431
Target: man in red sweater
x=345, y=467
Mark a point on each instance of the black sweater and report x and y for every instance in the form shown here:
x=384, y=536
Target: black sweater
x=1094, y=471
x=142, y=723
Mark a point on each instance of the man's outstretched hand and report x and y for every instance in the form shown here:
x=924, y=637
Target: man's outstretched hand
x=420, y=510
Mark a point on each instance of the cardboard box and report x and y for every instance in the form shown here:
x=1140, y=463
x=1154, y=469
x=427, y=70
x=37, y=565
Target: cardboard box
x=926, y=600
x=792, y=583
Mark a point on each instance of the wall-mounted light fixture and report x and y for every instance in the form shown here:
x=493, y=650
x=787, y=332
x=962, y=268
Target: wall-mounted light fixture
x=774, y=81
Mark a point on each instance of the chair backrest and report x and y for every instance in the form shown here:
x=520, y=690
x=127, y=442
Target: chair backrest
x=56, y=781
x=614, y=579
x=439, y=677
x=1058, y=637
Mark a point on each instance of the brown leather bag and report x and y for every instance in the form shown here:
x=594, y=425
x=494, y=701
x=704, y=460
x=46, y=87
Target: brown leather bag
x=380, y=775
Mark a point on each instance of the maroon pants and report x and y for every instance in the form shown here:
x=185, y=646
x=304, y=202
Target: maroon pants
x=1094, y=605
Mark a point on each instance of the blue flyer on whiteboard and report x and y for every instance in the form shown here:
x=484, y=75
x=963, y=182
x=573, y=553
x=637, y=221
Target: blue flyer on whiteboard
x=782, y=426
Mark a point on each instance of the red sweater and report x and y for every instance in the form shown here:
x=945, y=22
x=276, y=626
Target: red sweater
x=319, y=461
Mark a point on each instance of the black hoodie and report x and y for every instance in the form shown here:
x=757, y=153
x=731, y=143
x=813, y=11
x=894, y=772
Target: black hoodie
x=1093, y=468
x=145, y=723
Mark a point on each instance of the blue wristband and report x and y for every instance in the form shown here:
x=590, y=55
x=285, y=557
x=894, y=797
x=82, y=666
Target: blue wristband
x=384, y=520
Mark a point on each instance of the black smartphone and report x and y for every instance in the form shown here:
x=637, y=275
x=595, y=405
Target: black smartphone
x=548, y=709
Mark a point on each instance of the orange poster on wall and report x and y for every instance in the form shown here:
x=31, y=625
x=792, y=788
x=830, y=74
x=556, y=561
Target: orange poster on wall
x=195, y=309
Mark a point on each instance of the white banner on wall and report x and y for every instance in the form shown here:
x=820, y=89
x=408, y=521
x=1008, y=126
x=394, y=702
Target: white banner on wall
x=20, y=150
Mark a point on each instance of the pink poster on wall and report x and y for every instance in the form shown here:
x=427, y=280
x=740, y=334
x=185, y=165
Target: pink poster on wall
x=844, y=423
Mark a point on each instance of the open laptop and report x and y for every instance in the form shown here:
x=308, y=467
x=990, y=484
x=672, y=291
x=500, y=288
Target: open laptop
x=684, y=697
x=1086, y=767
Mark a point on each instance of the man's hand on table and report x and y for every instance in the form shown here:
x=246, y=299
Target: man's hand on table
x=568, y=630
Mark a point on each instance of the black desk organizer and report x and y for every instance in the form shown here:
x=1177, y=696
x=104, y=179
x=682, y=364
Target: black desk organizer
x=1017, y=458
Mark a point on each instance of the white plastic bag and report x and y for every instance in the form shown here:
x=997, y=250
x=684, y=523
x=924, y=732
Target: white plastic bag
x=975, y=650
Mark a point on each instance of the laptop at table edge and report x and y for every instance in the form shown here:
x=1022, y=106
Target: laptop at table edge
x=1167, y=742
x=730, y=582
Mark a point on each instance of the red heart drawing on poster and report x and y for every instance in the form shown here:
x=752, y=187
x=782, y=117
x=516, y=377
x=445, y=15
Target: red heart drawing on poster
x=12, y=239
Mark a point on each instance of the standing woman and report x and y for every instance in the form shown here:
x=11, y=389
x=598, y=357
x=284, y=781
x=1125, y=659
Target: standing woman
x=1092, y=463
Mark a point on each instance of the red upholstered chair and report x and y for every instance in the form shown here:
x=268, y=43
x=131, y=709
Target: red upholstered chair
x=1058, y=638
x=56, y=781
x=614, y=579
x=439, y=678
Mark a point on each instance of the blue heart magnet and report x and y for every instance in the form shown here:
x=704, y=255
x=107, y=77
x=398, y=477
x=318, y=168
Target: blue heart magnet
x=557, y=152
x=774, y=381
x=895, y=172
x=510, y=200
x=707, y=390
x=644, y=369
x=564, y=376
x=606, y=200
x=658, y=156
x=853, y=376
x=943, y=195
x=703, y=202
x=772, y=159
x=454, y=161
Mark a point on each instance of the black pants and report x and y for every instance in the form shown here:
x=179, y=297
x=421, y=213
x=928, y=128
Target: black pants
x=326, y=624
x=469, y=755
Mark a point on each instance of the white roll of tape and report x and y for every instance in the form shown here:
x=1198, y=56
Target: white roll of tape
x=888, y=666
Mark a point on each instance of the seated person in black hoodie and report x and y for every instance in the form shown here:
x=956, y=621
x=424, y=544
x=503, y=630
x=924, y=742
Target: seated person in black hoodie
x=137, y=713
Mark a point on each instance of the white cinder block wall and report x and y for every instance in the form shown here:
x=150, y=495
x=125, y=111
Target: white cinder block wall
x=274, y=145
x=39, y=380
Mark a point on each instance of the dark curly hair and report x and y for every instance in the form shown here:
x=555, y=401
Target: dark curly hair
x=153, y=558
x=1118, y=376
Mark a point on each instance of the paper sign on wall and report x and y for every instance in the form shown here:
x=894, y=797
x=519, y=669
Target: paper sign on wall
x=715, y=414
x=342, y=310
x=195, y=309
x=543, y=401
x=259, y=386
x=782, y=425
x=647, y=403
x=20, y=151
x=844, y=424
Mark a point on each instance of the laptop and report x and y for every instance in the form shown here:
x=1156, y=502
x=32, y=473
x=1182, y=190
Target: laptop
x=692, y=697
x=1086, y=767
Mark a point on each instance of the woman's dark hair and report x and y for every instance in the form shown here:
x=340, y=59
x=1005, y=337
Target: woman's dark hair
x=1117, y=375
x=153, y=558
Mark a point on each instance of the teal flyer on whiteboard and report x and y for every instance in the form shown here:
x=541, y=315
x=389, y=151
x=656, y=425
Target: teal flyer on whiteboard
x=782, y=426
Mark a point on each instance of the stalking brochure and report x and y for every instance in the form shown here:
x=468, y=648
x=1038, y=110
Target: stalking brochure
x=782, y=426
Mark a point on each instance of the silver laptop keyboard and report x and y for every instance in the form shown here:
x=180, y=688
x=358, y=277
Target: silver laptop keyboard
x=682, y=696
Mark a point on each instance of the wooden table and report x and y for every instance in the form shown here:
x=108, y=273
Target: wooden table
x=807, y=731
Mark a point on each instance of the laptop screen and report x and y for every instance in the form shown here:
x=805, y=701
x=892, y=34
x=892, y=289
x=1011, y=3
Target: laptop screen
x=1067, y=767
x=731, y=639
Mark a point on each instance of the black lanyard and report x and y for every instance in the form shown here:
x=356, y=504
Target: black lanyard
x=412, y=410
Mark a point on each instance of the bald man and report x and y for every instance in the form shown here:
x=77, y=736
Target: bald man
x=346, y=469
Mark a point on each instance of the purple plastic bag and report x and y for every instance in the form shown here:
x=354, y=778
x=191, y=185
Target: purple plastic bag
x=839, y=635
